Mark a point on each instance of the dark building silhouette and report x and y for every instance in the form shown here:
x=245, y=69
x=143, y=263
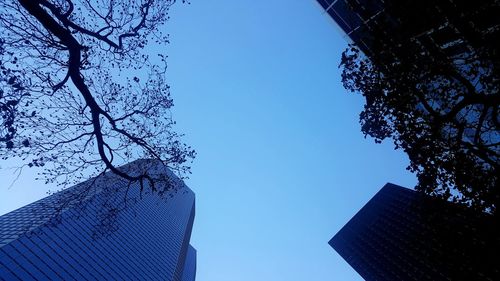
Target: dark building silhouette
x=444, y=27
x=102, y=236
x=401, y=234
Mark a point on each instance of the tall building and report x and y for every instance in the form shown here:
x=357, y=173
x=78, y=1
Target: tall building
x=401, y=234
x=189, y=272
x=99, y=235
x=447, y=27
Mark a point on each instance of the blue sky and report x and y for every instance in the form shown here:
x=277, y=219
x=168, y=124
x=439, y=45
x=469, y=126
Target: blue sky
x=282, y=164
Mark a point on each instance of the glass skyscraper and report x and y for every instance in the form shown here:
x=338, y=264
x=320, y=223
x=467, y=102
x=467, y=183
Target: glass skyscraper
x=112, y=231
x=353, y=21
x=445, y=27
x=189, y=272
x=401, y=234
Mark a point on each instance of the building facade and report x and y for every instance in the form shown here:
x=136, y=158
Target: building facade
x=445, y=27
x=189, y=272
x=401, y=234
x=113, y=231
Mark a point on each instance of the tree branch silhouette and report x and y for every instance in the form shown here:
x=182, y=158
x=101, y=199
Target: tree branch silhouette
x=81, y=94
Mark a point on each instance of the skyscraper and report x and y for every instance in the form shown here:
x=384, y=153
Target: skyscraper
x=444, y=27
x=189, y=272
x=111, y=232
x=401, y=234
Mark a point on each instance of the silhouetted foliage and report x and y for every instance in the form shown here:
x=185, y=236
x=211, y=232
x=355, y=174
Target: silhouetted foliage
x=440, y=105
x=441, y=109
x=82, y=92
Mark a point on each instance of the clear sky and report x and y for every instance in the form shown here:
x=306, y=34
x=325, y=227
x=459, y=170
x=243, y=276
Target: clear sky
x=282, y=164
